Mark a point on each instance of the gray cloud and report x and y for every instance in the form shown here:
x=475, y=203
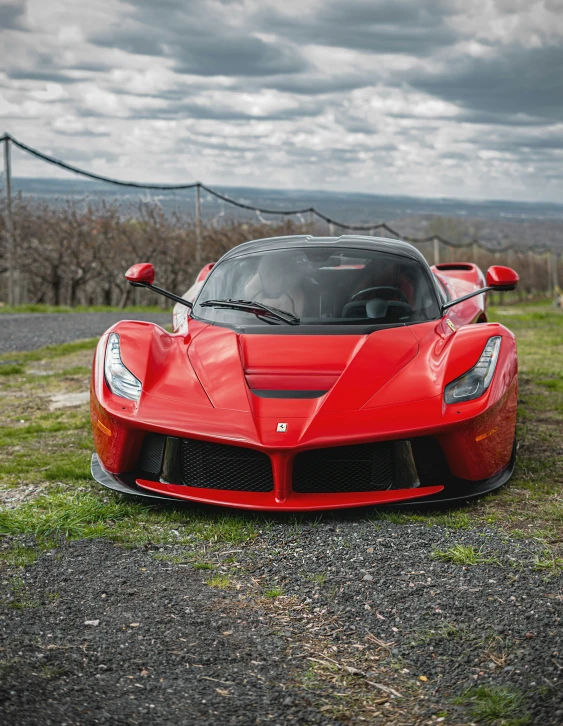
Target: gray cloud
x=200, y=42
x=514, y=81
x=411, y=27
x=11, y=16
x=48, y=76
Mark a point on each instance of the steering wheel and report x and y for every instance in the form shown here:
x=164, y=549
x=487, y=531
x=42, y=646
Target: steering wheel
x=383, y=288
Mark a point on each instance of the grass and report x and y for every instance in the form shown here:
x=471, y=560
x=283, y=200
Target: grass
x=495, y=706
x=19, y=555
x=19, y=598
x=50, y=351
x=547, y=560
x=11, y=370
x=273, y=592
x=42, y=308
x=219, y=581
x=72, y=515
x=90, y=513
x=460, y=555
x=446, y=631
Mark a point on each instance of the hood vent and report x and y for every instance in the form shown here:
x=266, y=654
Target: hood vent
x=285, y=393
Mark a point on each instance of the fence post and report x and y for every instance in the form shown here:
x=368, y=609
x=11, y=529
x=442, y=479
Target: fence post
x=436, y=251
x=330, y=229
x=531, y=271
x=9, y=224
x=311, y=220
x=198, y=245
x=549, y=272
x=554, y=270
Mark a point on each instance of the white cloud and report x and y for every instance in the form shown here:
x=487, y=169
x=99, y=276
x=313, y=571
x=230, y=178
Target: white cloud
x=431, y=98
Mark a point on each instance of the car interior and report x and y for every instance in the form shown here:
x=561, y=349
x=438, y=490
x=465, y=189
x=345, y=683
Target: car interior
x=338, y=286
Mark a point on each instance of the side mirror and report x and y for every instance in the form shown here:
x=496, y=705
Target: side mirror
x=141, y=273
x=502, y=279
x=499, y=279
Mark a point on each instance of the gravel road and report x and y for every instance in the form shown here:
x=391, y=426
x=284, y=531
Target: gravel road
x=165, y=647
x=28, y=331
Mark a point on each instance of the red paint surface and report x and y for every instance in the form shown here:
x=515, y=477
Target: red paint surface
x=141, y=272
x=384, y=386
x=296, y=502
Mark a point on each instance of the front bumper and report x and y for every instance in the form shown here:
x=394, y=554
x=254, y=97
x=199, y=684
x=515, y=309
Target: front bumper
x=436, y=496
x=265, y=501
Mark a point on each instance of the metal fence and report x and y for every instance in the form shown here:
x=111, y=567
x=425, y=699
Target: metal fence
x=539, y=263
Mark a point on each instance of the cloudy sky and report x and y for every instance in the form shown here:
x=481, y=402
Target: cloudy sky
x=459, y=98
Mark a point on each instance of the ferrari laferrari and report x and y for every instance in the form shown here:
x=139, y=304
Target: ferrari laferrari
x=310, y=373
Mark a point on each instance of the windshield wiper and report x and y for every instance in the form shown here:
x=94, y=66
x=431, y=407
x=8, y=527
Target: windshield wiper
x=251, y=306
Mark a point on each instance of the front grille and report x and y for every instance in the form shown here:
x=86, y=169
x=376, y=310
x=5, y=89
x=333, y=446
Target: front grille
x=219, y=466
x=357, y=468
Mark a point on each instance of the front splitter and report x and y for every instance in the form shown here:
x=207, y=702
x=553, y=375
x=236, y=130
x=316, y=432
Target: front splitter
x=110, y=481
x=262, y=501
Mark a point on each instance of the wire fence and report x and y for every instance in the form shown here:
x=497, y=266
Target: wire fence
x=541, y=261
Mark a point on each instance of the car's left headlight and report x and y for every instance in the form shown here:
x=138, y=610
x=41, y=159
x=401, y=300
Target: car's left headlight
x=476, y=381
x=119, y=378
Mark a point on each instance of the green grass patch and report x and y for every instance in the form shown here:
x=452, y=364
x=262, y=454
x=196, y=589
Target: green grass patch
x=460, y=555
x=11, y=369
x=18, y=555
x=548, y=560
x=495, y=706
x=273, y=592
x=41, y=308
x=64, y=513
x=50, y=351
x=91, y=513
x=219, y=581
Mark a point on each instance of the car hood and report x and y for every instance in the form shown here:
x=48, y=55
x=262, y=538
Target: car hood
x=296, y=375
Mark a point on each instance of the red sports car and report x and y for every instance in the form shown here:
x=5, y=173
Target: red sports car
x=310, y=373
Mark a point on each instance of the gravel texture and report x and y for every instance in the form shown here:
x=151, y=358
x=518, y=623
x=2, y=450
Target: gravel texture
x=364, y=608
x=29, y=331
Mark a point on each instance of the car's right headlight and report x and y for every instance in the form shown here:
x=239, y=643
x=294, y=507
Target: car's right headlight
x=119, y=378
x=476, y=381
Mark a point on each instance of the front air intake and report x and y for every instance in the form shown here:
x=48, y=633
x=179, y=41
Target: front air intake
x=219, y=466
x=356, y=468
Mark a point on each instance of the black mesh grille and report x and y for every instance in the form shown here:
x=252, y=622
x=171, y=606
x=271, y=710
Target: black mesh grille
x=358, y=468
x=151, y=453
x=218, y=466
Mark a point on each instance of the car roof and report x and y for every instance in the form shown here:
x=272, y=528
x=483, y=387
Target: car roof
x=354, y=241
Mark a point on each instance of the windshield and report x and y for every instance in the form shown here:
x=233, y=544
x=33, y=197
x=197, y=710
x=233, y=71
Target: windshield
x=320, y=286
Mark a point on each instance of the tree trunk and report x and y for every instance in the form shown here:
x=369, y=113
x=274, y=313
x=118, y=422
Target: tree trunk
x=56, y=287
